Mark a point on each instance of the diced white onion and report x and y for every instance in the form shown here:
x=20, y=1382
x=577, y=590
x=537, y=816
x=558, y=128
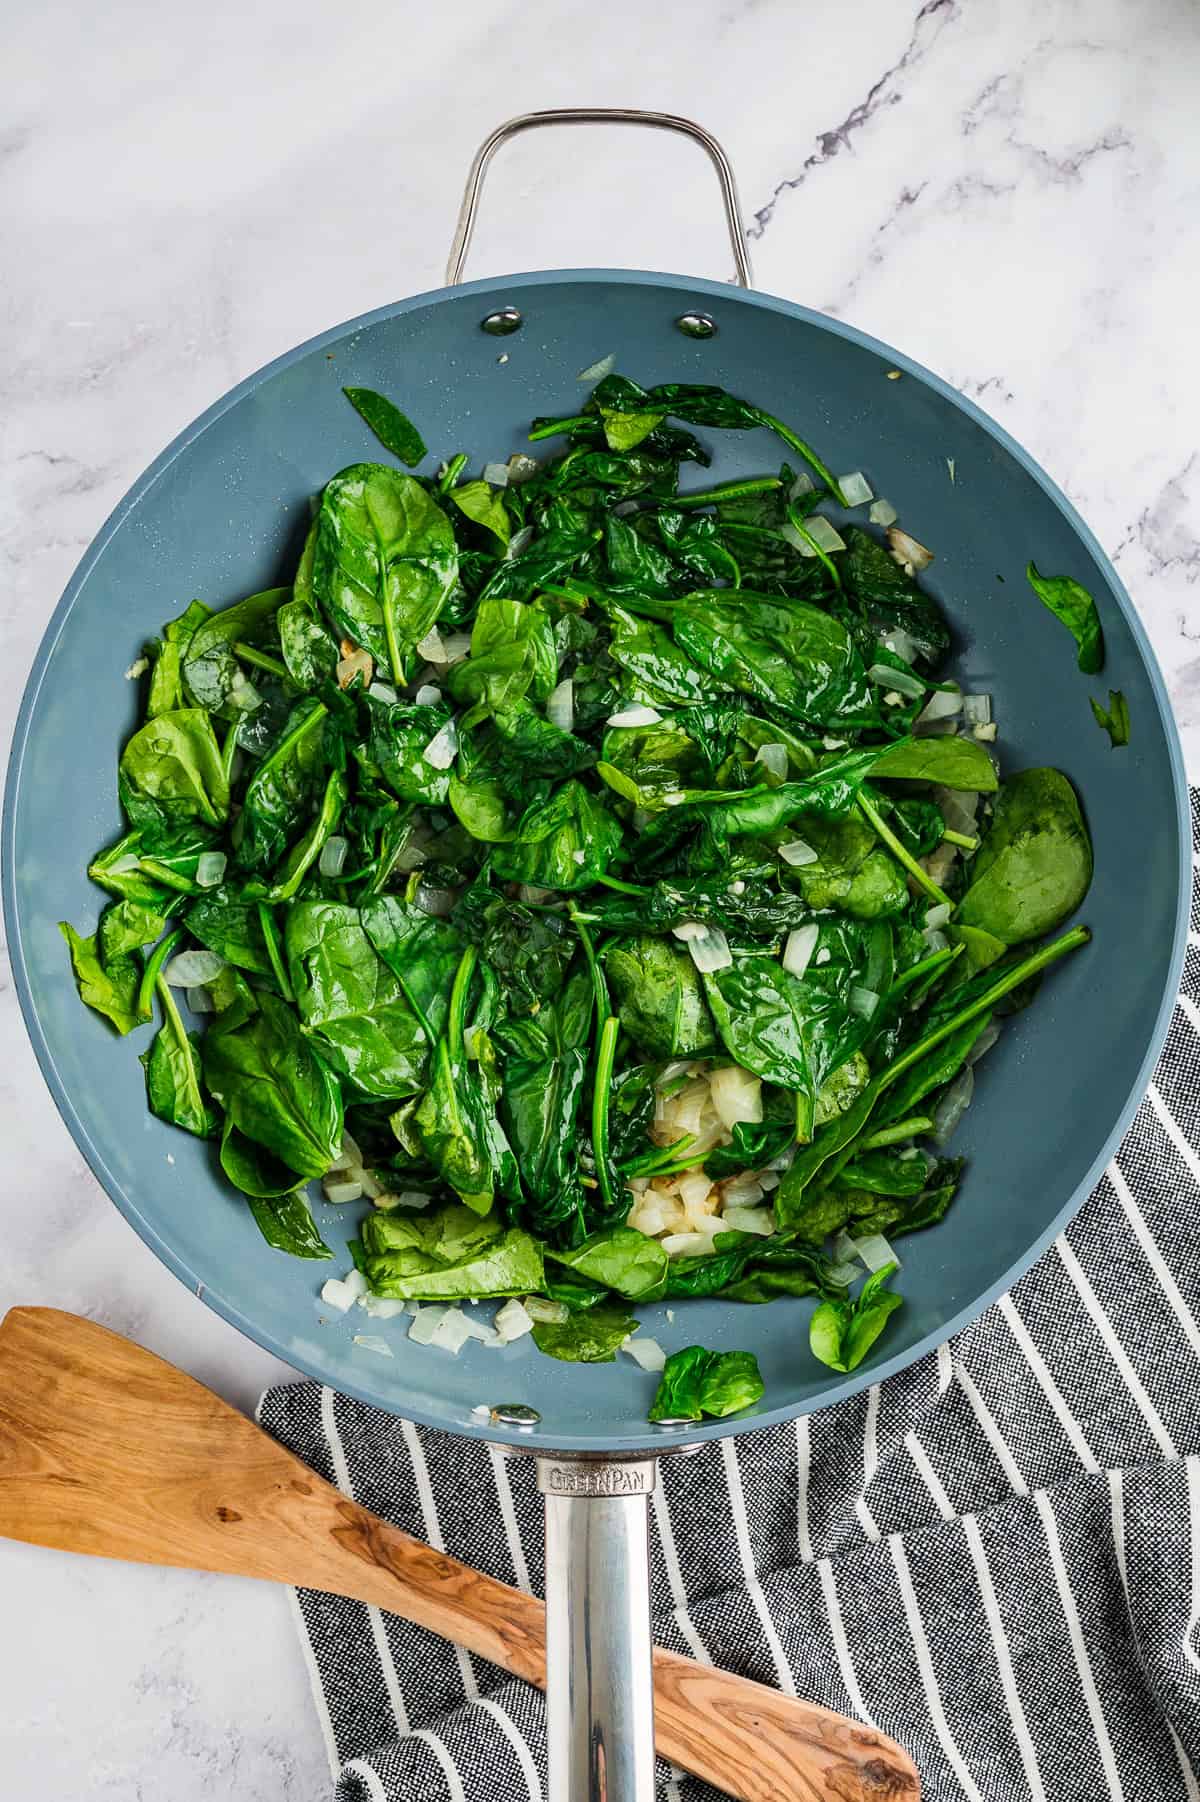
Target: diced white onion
x=682, y=1066
x=799, y=947
x=958, y=808
x=774, y=759
x=452, y=1332
x=856, y=490
x=736, y=1094
x=635, y=716
x=341, y=1189
x=743, y=1191
x=137, y=668
x=456, y=646
x=711, y=952
x=875, y=1251
x=900, y=643
x=953, y=1105
x=431, y=647
x=797, y=853
x=646, y=1352
x=332, y=860
x=383, y=691
x=481, y=1330
x=693, y=1187
x=348, y=1153
x=342, y=1292
x=560, y=706
x=439, y=902
x=882, y=513
x=442, y=748
x=382, y=1307
x=210, y=868
x=803, y=484
x=496, y=474
x=426, y=1321
x=688, y=930
x=908, y=551
x=513, y=1321
x=540, y=1307
x=481, y=1411
x=242, y=693
x=412, y=1200
x=199, y=1001
x=901, y=681
x=190, y=969
x=750, y=1220
x=521, y=466
x=938, y=916
x=411, y=856
x=941, y=705
x=124, y=865
x=935, y=940
x=518, y=542
x=977, y=709
x=373, y=1343
x=843, y=1274
x=834, y=744
x=824, y=533
x=863, y=1002
x=529, y=891
x=985, y=734
x=427, y=695
x=687, y=1245
x=596, y=372
x=768, y=1179
x=356, y=664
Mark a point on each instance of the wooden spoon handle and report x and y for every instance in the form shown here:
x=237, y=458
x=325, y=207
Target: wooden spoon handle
x=107, y=1449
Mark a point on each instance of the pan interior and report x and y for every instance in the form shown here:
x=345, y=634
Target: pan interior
x=222, y=514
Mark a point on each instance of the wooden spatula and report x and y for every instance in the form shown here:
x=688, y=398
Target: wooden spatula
x=106, y=1449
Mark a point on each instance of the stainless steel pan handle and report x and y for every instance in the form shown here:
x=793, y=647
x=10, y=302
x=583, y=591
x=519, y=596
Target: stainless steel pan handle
x=598, y=115
x=599, y=1674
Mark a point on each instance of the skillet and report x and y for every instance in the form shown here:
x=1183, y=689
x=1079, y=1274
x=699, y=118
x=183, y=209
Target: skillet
x=222, y=511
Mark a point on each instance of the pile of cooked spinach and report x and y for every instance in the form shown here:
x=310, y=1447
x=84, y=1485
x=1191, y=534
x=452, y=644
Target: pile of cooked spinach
x=534, y=784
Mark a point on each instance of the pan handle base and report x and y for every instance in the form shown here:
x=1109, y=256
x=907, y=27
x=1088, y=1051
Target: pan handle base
x=599, y=1680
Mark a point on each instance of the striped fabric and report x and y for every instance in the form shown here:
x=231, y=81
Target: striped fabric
x=994, y=1556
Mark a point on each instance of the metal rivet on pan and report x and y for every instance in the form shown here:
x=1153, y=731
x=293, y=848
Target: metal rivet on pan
x=514, y=1414
x=696, y=325
x=502, y=322
x=678, y=1420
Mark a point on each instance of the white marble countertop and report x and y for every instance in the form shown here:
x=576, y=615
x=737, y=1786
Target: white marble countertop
x=1005, y=192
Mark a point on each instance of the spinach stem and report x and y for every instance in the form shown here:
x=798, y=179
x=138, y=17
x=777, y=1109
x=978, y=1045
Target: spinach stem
x=551, y=428
x=154, y=963
x=960, y=838
x=682, y=1164
x=393, y=644
x=726, y=491
x=806, y=451
x=451, y=473
x=458, y=1002
x=892, y=1135
x=229, y=747
x=622, y=888
x=884, y=831
x=161, y=872
x=1003, y=985
x=601, y=1086
x=805, y=1117
x=274, y=954
x=797, y=524
x=935, y=961
x=171, y=1015
x=260, y=660
x=599, y=984
x=647, y=1164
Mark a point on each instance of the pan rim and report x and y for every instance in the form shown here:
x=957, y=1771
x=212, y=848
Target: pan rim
x=640, y=1438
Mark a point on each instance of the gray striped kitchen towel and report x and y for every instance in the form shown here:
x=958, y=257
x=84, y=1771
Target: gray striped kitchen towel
x=994, y=1556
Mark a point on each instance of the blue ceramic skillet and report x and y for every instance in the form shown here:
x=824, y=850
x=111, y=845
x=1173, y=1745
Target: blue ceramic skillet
x=221, y=514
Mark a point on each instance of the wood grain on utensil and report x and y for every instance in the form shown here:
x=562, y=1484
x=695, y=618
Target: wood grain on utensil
x=106, y=1449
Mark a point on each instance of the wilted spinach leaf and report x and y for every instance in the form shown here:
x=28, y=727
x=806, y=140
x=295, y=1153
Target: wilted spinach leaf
x=1070, y=602
x=393, y=429
x=696, y=1383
